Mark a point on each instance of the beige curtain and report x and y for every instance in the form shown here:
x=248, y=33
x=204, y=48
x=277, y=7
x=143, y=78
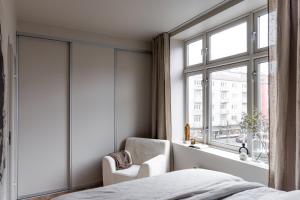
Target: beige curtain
x=284, y=94
x=161, y=89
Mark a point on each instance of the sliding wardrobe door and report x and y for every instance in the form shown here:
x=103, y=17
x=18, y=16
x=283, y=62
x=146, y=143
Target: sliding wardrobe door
x=133, y=95
x=92, y=111
x=43, y=146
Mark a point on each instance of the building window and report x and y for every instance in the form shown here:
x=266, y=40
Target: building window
x=197, y=118
x=234, y=118
x=223, y=105
x=223, y=95
x=234, y=85
x=197, y=82
x=197, y=106
x=198, y=94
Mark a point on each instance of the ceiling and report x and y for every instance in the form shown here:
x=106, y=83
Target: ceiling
x=132, y=19
x=233, y=12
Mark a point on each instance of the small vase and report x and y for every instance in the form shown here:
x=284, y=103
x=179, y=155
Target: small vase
x=257, y=147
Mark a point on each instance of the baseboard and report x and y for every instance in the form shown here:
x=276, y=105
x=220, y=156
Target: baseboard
x=41, y=194
x=63, y=191
x=88, y=186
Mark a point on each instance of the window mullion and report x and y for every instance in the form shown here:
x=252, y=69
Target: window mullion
x=205, y=49
x=251, y=84
x=251, y=36
x=206, y=108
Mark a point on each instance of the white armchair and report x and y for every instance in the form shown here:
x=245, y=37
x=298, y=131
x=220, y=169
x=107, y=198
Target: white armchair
x=150, y=157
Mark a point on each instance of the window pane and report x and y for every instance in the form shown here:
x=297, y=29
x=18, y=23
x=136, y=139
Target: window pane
x=195, y=91
x=228, y=90
x=263, y=104
x=228, y=42
x=262, y=29
x=195, y=52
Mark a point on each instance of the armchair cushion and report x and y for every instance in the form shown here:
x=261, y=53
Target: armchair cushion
x=153, y=167
x=143, y=149
x=132, y=171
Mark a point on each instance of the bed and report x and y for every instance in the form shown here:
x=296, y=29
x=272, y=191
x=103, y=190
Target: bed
x=190, y=184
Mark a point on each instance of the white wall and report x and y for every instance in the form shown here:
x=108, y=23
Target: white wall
x=186, y=157
x=133, y=96
x=8, y=29
x=177, y=88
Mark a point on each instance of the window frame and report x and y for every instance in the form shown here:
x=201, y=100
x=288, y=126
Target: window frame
x=226, y=26
x=256, y=64
x=251, y=59
x=256, y=15
x=200, y=37
x=187, y=95
x=216, y=69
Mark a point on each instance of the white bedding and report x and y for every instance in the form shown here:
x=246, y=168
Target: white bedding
x=188, y=184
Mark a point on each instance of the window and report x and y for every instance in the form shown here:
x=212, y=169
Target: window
x=223, y=105
x=195, y=100
x=234, y=107
x=262, y=31
x=197, y=95
x=223, y=84
x=197, y=118
x=198, y=83
x=263, y=102
x=194, y=51
x=197, y=106
x=232, y=86
x=224, y=95
x=228, y=42
x=227, y=129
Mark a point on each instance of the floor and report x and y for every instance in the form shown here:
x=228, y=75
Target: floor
x=47, y=197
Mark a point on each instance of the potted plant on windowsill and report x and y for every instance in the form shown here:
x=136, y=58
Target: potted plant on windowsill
x=253, y=124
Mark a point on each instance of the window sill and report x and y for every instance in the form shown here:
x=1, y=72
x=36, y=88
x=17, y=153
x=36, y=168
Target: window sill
x=225, y=154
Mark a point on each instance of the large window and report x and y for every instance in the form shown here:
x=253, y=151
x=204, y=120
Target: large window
x=227, y=76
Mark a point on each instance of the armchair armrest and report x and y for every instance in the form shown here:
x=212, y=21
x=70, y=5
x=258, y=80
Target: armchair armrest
x=154, y=166
x=108, y=168
x=109, y=164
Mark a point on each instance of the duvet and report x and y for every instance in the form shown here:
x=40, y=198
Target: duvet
x=190, y=184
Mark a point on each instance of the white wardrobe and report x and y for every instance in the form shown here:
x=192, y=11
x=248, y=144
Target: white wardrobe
x=77, y=102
